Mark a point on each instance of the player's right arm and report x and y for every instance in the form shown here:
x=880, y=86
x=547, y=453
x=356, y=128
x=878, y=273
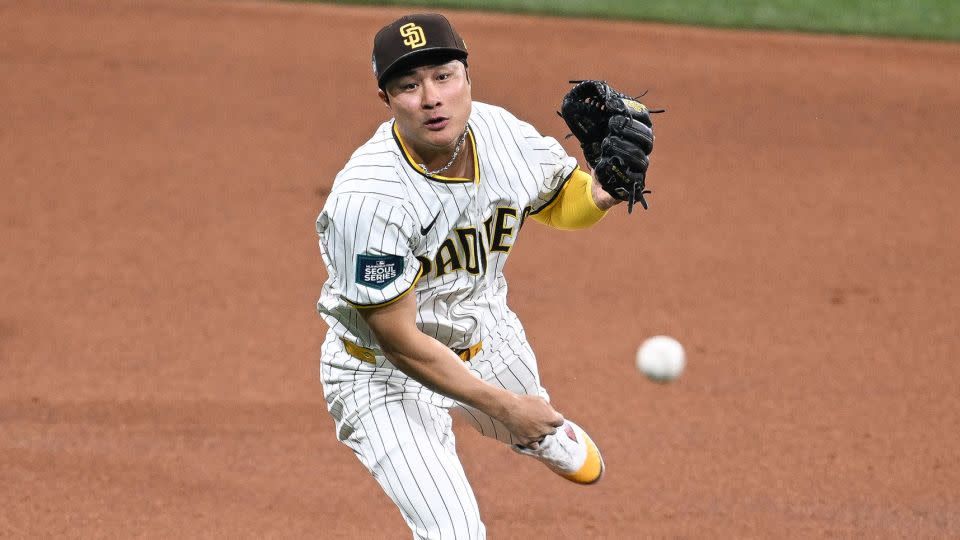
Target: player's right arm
x=367, y=242
x=529, y=418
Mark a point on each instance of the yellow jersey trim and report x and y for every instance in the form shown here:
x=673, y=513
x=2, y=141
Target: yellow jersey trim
x=556, y=194
x=365, y=354
x=392, y=300
x=416, y=166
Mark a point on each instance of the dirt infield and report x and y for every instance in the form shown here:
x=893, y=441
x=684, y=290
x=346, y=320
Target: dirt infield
x=161, y=167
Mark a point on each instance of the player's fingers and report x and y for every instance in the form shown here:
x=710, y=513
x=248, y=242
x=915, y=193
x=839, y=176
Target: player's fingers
x=532, y=444
x=557, y=422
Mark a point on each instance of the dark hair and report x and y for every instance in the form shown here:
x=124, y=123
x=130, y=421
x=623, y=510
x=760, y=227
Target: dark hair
x=427, y=58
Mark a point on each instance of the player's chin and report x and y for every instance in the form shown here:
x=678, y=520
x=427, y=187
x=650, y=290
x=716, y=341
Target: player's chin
x=443, y=138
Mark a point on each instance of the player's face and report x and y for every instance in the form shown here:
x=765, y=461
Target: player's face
x=431, y=105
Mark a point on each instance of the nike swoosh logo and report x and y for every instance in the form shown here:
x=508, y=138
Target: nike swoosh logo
x=425, y=230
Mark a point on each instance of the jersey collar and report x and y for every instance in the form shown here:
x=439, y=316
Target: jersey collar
x=437, y=177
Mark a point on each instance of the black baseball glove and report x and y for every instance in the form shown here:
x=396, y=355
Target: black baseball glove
x=616, y=135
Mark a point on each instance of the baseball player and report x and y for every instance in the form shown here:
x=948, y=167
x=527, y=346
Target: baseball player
x=415, y=235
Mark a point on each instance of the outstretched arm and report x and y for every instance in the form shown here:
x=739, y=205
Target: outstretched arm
x=581, y=203
x=529, y=418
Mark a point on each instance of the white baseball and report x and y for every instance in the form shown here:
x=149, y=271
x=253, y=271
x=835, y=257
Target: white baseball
x=661, y=358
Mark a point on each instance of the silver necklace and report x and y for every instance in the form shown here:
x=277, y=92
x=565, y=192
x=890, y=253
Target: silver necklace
x=456, y=152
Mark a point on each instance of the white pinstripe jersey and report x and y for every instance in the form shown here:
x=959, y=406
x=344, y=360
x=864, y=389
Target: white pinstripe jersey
x=387, y=227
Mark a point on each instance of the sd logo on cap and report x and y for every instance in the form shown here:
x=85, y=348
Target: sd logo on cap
x=414, y=40
x=413, y=35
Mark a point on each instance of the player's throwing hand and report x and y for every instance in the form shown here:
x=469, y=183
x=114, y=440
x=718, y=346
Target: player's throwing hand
x=531, y=419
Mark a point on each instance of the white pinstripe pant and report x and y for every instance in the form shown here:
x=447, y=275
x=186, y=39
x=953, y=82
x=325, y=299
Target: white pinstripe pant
x=402, y=432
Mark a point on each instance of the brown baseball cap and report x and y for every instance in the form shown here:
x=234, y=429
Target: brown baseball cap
x=412, y=40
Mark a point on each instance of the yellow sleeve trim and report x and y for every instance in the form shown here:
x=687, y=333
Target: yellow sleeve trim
x=574, y=207
x=392, y=300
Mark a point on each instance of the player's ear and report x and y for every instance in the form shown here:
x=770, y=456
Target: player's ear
x=384, y=98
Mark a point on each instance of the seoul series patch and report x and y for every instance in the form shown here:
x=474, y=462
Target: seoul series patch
x=378, y=271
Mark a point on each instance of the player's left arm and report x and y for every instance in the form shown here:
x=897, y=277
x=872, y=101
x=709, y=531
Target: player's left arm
x=581, y=203
x=569, y=197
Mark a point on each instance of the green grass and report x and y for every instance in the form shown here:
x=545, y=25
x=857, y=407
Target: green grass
x=922, y=19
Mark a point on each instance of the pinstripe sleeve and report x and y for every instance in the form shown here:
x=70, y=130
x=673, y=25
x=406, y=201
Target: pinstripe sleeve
x=369, y=246
x=555, y=165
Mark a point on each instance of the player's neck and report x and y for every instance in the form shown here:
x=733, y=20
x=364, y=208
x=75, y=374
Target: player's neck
x=463, y=166
x=443, y=159
x=453, y=162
